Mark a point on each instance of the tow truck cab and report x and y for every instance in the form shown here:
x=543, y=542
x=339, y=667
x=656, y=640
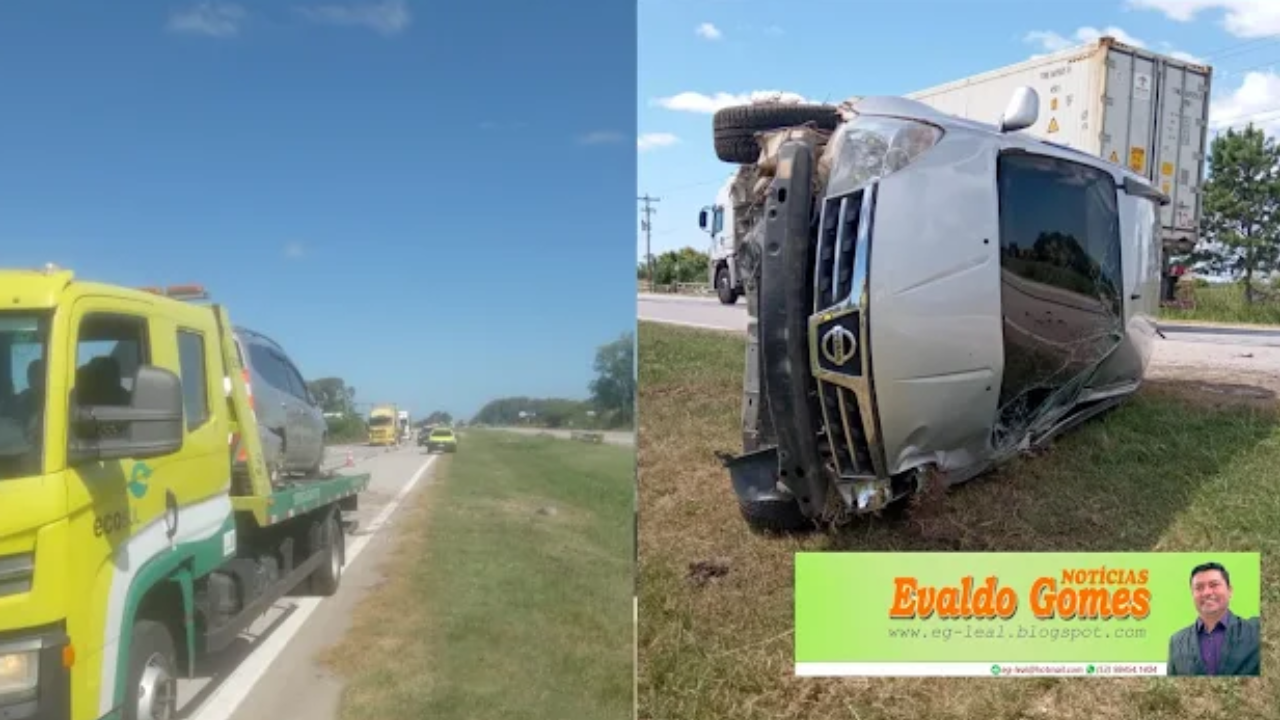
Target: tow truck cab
x=121, y=551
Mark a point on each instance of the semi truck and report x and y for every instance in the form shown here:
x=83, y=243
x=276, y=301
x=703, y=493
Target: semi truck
x=1141, y=110
x=406, y=426
x=384, y=425
x=129, y=549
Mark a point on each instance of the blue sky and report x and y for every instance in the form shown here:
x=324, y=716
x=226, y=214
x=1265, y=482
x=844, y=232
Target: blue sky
x=420, y=200
x=698, y=55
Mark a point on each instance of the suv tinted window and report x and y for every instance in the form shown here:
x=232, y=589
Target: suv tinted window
x=265, y=364
x=297, y=385
x=1061, y=276
x=195, y=384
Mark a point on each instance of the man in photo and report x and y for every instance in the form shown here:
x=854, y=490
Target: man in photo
x=1218, y=642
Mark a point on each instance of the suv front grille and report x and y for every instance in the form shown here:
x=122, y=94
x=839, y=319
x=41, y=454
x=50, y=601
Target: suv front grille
x=838, y=337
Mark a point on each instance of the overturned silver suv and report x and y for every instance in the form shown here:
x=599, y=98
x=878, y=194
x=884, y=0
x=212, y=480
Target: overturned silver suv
x=929, y=296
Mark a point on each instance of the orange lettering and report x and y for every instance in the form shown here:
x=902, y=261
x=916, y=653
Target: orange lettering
x=904, y=590
x=1141, y=602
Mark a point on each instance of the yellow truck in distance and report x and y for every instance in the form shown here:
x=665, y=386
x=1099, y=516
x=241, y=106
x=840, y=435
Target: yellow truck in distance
x=129, y=549
x=384, y=425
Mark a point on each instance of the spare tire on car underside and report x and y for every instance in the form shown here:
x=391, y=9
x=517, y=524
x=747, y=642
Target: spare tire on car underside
x=735, y=128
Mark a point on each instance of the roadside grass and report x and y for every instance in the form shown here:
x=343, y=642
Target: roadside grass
x=1177, y=468
x=1225, y=304
x=509, y=593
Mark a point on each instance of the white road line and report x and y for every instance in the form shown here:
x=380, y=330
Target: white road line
x=699, y=326
x=224, y=701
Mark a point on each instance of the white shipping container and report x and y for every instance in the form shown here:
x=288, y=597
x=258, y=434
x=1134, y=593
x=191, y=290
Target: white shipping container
x=1143, y=110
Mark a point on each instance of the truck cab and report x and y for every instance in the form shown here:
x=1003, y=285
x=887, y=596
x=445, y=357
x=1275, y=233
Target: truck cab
x=118, y=519
x=717, y=221
x=384, y=426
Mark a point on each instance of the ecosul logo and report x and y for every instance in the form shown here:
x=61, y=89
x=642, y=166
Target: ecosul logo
x=839, y=345
x=118, y=521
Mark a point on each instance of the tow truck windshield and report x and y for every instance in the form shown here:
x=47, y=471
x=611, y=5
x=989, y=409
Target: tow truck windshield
x=23, y=342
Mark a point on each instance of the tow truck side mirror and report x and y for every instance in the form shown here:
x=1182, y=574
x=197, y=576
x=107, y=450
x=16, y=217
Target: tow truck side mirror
x=150, y=426
x=702, y=218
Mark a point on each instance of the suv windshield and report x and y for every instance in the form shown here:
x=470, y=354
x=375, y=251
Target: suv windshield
x=442, y=433
x=23, y=340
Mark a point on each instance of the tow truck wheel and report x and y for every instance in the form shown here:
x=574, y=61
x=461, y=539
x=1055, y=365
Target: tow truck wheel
x=327, y=536
x=775, y=516
x=153, y=677
x=728, y=294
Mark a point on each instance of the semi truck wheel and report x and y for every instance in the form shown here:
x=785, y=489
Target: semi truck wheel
x=326, y=536
x=727, y=293
x=152, y=690
x=734, y=128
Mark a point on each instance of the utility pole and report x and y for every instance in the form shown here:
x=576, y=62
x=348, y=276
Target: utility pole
x=647, y=225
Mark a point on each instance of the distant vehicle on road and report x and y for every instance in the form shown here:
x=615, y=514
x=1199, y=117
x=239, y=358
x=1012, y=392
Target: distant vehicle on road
x=441, y=439
x=384, y=425
x=406, y=426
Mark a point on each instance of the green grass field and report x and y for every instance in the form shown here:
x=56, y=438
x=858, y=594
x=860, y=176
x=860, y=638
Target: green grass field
x=1225, y=304
x=509, y=594
x=1177, y=468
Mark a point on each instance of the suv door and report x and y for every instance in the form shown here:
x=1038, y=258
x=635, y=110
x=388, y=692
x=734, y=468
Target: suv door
x=275, y=402
x=1062, y=282
x=310, y=420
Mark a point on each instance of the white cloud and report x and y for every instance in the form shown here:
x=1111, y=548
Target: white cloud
x=294, y=250
x=699, y=103
x=1242, y=18
x=1051, y=42
x=387, y=18
x=1257, y=100
x=601, y=137
x=1186, y=57
x=213, y=19
x=709, y=31
x=651, y=141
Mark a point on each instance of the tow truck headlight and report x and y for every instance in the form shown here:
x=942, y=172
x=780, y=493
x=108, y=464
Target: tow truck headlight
x=874, y=147
x=19, y=674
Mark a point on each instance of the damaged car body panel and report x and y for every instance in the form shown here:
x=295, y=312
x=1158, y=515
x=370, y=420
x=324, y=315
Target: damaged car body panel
x=930, y=296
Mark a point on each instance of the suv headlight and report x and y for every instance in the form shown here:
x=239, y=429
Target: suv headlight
x=19, y=673
x=873, y=147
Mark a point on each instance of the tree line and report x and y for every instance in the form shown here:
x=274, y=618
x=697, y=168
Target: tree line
x=611, y=401
x=685, y=265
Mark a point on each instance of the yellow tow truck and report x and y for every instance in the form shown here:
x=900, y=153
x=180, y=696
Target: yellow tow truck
x=128, y=546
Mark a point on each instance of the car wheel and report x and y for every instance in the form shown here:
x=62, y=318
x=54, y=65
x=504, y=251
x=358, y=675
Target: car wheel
x=775, y=516
x=734, y=128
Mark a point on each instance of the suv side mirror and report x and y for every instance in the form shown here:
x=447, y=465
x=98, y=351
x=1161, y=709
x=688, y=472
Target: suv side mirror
x=1022, y=111
x=150, y=426
x=702, y=218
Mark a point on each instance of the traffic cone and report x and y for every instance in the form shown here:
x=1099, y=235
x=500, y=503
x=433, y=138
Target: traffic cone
x=351, y=460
